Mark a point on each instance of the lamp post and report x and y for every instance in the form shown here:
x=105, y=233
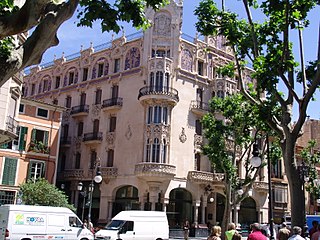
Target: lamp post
x=96, y=178
x=303, y=170
x=256, y=162
x=84, y=194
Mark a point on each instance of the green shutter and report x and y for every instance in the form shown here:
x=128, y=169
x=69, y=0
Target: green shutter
x=9, y=171
x=46, y=137
x=4, y=146
x=22, y=138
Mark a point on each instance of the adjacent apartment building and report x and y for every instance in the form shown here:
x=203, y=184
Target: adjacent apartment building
x=33, y=153
x=134, y=108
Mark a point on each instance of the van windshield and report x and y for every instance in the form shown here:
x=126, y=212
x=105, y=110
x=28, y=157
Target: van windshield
x=114, y=225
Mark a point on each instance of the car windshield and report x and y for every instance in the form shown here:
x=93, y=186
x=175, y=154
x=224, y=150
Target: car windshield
x=114, y=225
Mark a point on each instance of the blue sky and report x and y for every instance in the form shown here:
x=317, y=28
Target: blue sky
x=72, y=37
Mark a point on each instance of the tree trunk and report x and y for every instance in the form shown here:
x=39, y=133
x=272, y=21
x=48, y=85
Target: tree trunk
x=295, y=183
x=227, y=211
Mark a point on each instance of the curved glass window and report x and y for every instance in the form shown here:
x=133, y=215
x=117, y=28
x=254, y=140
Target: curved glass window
x=157, y=115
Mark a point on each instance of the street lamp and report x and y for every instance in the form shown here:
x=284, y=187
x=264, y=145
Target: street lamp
x=84, y=194
x=303, y=171
x=97, y=178
x=256, y=162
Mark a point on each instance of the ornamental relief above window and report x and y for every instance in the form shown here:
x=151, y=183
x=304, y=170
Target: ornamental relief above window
x=162, y=25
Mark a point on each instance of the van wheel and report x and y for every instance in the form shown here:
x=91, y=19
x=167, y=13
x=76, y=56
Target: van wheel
x=84, y=239
x=25, y=239
x=159, y=239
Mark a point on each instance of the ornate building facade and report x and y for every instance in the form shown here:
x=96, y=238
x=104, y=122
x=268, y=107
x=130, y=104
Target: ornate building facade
x=134, y=107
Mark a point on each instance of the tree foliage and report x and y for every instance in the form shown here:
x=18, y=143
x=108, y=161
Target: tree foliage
x=42, y=193
x=267, y=46
x=46, y=16
x=231, y=129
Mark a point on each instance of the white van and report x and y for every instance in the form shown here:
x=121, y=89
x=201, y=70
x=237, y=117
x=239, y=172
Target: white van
x=138, y=225
x=40, y=222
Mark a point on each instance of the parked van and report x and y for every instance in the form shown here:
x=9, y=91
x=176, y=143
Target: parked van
x=138, y=225
x=40, y=222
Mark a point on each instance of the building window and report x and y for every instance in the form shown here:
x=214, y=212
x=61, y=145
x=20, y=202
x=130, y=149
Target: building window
x=93, y=159
x=71, y=78
x=100, y=69
x=157, y=115
x=197, y=159
x=198, y=127
x=112, y=124
x=33, y=89
x=277, y=169
x=200, y=68
x=156, y=151
x=110, y=158
x=98, y=96
x=80, y=129
x=68, y=102
x=85, y=72
x=78, y=160
x=36, y=170
x=7, y=197
x=117, y=65
x=62, y=162
x=220, y=94
x=55, y=101
x=83, y=97
x=280, y=195
x=45, y=85
x=44, y=113
x=21, y=108
x=9, y=171
x=57, y=81
x=39, y=139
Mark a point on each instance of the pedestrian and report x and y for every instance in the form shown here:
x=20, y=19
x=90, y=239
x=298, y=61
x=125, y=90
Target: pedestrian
x=256, y=233
x=186, y=227
x=316, y=234
x=284, y=232
x=231, y=230
x=215, y=233
x=296, y=231
x=314, y=228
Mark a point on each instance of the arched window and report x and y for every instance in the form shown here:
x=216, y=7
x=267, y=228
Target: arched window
x=156, y=150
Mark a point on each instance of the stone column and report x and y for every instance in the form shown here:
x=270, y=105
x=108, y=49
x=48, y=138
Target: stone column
x=196, y=212
x=203, y=210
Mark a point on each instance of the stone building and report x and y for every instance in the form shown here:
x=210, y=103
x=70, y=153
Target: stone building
x=134, y=109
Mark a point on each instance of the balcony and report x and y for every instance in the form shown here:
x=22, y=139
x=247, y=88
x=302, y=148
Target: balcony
x=38, y=147
x=112, y=104
x=106, y=173
x=78, y=111
x=166, y=94
x=262, y=187
x=10, y=131
x=199, y=108
x=71, y=174
x=155, y=171
x=201, y=177
x=65, y=141
x=92, y=138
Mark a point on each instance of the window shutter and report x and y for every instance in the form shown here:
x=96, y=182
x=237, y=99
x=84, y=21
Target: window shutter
x=33, y=135
x=22, y=138
x=46, y=138
x=9, y=171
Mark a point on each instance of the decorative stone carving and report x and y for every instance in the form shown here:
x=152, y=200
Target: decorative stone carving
x=110, y=138
x=65, y=116
x=132, y=59
x=96, y=109
x=162, y=25
x=77, y=141
x=128, y=133
x=182, y=136
x=186, y=60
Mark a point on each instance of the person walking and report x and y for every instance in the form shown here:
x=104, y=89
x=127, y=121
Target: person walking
x=284, y=232
x=314, y=228
x=230, y=232
x=186, y=227
x=215, y=233
x=316, y=235
x=296, y=231
x=256, y=233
